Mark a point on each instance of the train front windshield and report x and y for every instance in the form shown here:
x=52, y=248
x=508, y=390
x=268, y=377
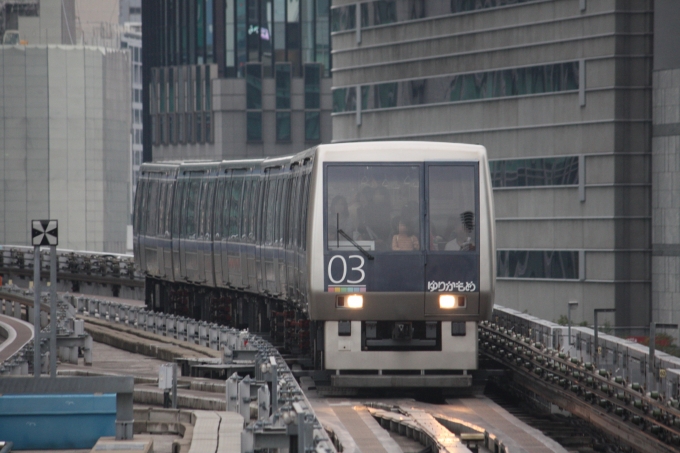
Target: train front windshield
x=382, y=208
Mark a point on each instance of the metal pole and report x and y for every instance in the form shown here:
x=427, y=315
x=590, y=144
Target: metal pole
x=652, y=347
x=36, y=311
x=595, y=354
x=174, y=385
x=53, y=311
x=569, y=322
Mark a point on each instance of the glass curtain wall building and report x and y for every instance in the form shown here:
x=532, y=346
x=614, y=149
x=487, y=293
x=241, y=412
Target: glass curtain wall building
x=244, y=78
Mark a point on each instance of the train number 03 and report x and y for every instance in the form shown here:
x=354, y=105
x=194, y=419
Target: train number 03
x=342, y=259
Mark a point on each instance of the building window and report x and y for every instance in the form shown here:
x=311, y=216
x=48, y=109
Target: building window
x=254, y=86
x=189, y=127
x=343, y=18
x=207, y=122
x=198, y=129
x=312, y=86
x=551, y=78
x=135, y=10
x=552, y=171
x=344, y=100
x=382, y=12
x=283, y=86
x=197, y=93
x=283, y=126
x=312, y=126
x=254, y=126
x=254, y=102
x=536, y=264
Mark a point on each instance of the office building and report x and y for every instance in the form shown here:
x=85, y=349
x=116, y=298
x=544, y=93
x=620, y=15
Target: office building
x=560, y=93
x=64, y=128
x=234, y=79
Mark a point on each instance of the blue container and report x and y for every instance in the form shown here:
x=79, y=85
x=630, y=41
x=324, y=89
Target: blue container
x=56, y=422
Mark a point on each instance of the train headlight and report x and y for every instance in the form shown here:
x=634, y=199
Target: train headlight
x=448, y=301
x=355, y=301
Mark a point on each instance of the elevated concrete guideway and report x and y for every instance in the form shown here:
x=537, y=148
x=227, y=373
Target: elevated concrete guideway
x=19, y=333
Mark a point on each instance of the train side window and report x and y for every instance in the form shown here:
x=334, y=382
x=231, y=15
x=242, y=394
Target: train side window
x=281, y=210
x=303, y=216
x=161, y=209
x=177, y=209
x=138, y=212
x=152, y=225
x=235, y=194
x=222, y=207
x=255, y=203
x=205, y=219
x=191, y=203
x=452, y=207
x=245, y=205
x=168, y=208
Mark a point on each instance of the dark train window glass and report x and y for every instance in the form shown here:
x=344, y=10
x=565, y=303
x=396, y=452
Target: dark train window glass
x=245, y=206
x=452, y=209
x=378, y=206
x=152, y=208
x=177, y=206
x=253, y=212
x=283, y=126
x=552, y=171
x=290, y=231
x=254, y=86
x=163, y=192
x=254, y=126
x=283, y=86
x=235, y=193
x=303, y=219
x=169, y=202
x=552, y=78
x=553, y=264
x=206, y=208
x=312, y=86
x=312, y=126
x=221, y=215
x=343, y=18
x=270, y=210
x=190, y=205
x=139, y=212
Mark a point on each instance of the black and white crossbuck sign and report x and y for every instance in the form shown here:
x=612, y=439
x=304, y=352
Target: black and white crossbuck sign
x=44, y=232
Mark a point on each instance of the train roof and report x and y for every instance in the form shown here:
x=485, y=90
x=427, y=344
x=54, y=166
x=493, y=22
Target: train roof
x=400, y=151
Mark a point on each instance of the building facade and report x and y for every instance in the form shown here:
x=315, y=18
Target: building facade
x=64, y=128
x=560, y=93
x=63, y=134
x=234, y=79
x=666, y=164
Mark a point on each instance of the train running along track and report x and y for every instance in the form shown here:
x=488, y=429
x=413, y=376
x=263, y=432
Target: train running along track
x=639, y=421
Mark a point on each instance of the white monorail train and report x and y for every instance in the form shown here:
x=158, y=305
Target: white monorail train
x=377, y=258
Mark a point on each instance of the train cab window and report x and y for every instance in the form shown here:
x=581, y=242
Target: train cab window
x=452, y=208
x=374, y=206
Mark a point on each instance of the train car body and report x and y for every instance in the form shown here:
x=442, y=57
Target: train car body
x=375, y=257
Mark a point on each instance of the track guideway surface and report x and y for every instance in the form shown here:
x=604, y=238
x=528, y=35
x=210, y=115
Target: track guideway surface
x=608, y=402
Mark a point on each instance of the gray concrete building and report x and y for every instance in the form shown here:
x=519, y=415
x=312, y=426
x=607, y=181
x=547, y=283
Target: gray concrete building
x=560, y=93
x=64, y=138
x=666, y=163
